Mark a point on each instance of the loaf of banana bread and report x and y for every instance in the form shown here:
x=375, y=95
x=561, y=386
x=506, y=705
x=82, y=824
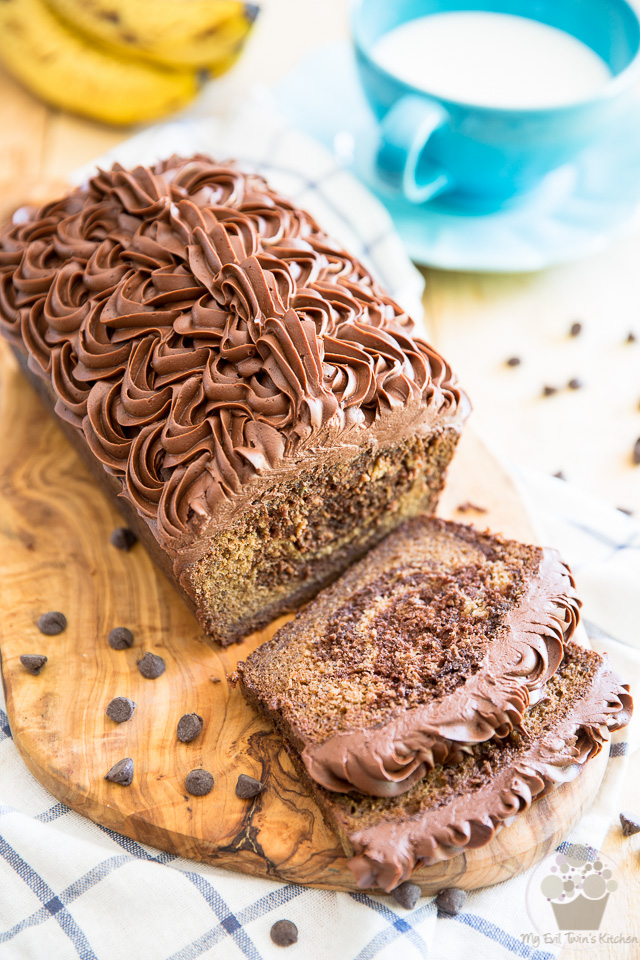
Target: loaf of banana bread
x=263, y=412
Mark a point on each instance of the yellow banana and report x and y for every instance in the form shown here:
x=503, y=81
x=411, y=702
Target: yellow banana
x=64, y=69
x=177, y=33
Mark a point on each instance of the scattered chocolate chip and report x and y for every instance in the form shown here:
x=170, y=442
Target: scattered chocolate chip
x=548, y=390
x=575, y=384
x=513, y=362
x=284, y=933
x=120, y=638
x=559, y=475
x=248, y=787
x=151, y=666
x=631, y=337
x=625, y=510
x=407, y=894
x=635, y=456
x=121, y=772
x=575, y=330
x=451, y=901
x=467, y=506
x=33, y=662
x=199, y=783
x=52, y=623
x=123, y=539
x=630, y=824
x=120, y=709
x=189, y=726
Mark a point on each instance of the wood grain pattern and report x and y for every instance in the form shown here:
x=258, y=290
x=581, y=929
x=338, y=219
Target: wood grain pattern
x=55, y=555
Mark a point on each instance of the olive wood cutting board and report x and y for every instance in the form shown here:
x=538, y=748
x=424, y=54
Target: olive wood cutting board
x=55, y=555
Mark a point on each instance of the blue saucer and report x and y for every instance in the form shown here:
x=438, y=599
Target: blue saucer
x=576, y=212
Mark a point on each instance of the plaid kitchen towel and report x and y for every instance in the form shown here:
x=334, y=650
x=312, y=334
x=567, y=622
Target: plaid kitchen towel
x=69, y=888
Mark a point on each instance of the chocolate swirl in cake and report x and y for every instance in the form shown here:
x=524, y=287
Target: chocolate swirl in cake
x=203, y=332
x=439, y=639
x=510, y=673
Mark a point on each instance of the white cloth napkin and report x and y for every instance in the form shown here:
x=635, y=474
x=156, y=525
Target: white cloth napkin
x=69, y=888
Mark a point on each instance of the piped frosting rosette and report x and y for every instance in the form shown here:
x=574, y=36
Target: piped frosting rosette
x=202, y=332
x=387, y=759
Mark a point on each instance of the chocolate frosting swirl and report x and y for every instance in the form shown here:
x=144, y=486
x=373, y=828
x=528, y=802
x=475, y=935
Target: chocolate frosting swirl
x=386, y=760
x=386, y=853
x=202, y=332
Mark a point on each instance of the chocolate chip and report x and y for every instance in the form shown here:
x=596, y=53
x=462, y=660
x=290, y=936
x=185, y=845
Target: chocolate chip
x=559, y=475
x=120, y=638
x=123, y=539
x=52, y=623
x=548, y=390
x=121, y=772
x=635, y=456
x=248, y=787
x=189, y=726
x=199, y=783
x=631, y=337
x=407, y=894
x=151, y=666
x=576, y=329
x=120, y=709
x=575, y=384
x=513, y=362
x=451, y=901
x=630, y=824
x=284, y=933
x=33, y=662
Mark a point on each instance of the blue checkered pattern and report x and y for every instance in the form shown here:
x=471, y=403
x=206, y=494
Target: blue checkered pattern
x=69, y=888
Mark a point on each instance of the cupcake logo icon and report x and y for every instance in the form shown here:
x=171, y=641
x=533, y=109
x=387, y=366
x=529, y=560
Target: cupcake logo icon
x=578, y=889
x=571, y=901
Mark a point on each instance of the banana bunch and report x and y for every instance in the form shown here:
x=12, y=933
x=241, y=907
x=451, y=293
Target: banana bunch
x=121, y=61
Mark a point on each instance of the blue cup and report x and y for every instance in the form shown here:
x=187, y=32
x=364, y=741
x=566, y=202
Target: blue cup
x=481, y=157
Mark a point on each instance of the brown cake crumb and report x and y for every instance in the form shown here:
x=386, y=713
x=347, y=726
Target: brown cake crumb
x=575, y=384
x=467, y=506
x=513, y=361
x=548, y=390
x=575, y=329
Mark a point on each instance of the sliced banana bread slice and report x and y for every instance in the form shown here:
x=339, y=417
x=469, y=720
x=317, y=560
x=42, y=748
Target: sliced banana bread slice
x=441, y=637
x=458, y=807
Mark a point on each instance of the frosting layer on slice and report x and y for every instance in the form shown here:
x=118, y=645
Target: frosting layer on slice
x=442, y=637
x=458, y=808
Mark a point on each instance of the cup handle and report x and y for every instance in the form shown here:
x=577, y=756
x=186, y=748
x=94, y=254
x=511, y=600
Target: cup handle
x=405, y=131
